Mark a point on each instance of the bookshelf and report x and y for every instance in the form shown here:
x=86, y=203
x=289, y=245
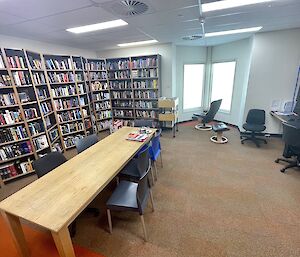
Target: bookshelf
x=99, y=93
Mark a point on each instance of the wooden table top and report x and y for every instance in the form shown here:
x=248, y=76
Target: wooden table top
x=57, y=198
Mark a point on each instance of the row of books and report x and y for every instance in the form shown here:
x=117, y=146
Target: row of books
x=87, y=123
x=148, y=94
x=40, y=142
x=12, y=134
x=71, y=127
x=68, y=90
x=101, y=96
x=10, y=117
x=146, y=84
x=102, y=105
x=61, y=77
x=56, y=148
x=118, y=64
x=24, y=96
x=10, y=151
x=16, y=62
x=96, y=86
x=64, y=64
x=30, y=113
x=81, y=88
x=39, y=78
x=146, y=104
x=69, y=115
x=127, y=103
x=122, y=94
x=42, y=93
x=147, y=114
x=35, y=128
x=5, y=80
x=2, y=65
x=144, y=73
x=49, y=121
x=95, y=65
x=35, y=63
x=53, y=134
x=101, y=125
x=100, y=75
x=77, y=64
x=14, y=169
x=144, y=62
x=46, y=107
x=120, y=85
x=70, y=140
x=66, y=103
x=123, y=113
x=7, y=99
x=124, y=74
x=103, y=115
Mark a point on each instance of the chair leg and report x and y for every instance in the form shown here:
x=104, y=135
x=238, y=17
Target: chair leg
x=109, y=220
x=144, y=227
x=72, y=228
x=161, y=161
x=151, y=198
x=155, y=167
x=291, y=165
x=152, y=176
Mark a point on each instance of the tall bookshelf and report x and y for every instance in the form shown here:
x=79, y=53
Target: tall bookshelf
x=65, y=76
x=99, y=93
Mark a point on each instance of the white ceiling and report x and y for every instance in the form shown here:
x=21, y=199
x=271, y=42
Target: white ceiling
x=167, y=21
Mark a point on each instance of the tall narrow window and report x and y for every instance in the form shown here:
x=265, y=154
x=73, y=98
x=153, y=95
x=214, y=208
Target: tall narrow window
x=222, y=83
x=193, y=85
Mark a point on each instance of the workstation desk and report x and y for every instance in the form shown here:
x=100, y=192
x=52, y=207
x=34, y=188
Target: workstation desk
x=56, y=199
x=292, y=119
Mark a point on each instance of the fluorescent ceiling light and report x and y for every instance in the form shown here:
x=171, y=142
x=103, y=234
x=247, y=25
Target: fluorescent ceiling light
x=138, y=43
x=225, y=4
x=235, y=31
x=98, y=26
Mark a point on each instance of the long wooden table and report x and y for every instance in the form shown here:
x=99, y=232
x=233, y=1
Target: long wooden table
x=57, y=198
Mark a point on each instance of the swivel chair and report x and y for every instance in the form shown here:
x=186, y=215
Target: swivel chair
x=207, y=117
x=255, y=124
x=291, y=137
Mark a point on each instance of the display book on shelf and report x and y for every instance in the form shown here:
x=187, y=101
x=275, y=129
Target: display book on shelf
x=68, y=90
x=23, y=134
x=134, y=84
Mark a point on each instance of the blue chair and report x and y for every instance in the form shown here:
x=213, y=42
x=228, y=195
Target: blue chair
x=155, y=151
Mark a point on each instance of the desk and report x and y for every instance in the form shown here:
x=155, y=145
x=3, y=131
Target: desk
x=57, y=198
x=292, y=119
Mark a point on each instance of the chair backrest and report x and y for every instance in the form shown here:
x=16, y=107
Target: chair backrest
x=155, y=147
x=144, y=123
x=291, y=135
x=256, y=116
x=143, y=160
x=48, y=162
x=142, y=193
x=85, y=142
x=213, y=109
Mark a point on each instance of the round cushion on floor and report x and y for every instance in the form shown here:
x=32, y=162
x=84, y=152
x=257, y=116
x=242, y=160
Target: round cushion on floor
x=202, y=127
x=214, y=139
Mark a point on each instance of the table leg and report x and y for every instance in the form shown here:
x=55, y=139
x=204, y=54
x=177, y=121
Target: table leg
x=63, y=242
x=18, y=235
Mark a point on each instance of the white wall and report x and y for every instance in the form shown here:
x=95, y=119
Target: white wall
x=42, y=47
x=239, y=51
x=273, y=73
x=165, y=50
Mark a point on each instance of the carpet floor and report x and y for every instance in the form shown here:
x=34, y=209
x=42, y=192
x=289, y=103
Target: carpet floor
x=210, y=200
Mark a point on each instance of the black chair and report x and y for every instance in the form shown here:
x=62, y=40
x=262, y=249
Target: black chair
x=208, y=116
x=137, y=167
x=81, y=145
x=47, y=163
x=131, y=196
x=255, y=124
x=291, y=137
x=144, y=123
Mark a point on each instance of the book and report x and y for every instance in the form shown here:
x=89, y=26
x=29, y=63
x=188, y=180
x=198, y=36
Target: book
x=136, y=136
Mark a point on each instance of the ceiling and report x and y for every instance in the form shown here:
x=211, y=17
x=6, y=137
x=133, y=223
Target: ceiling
x=166, y=21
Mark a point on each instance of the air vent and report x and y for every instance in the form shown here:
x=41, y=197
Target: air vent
x=192, y=37
x=128, y=8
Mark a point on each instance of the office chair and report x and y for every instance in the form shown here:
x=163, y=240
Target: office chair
x=255, y=123
x=291, y=137
x=155, y=151
x=144, y=123
x=47, y=163
x=81, y=145
x=208, y=116
x=131, y=196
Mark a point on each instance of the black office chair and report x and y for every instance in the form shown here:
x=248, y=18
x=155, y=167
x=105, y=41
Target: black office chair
x=47, y=163
x=255, y=124
x=81, y=145
x=131, y=196
x=144, y=123
x=208, y=116
x=291, y=137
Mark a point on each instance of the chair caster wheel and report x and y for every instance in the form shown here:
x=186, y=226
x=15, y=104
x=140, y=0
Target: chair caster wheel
x=241, y=137
x=282, y=170
x=276, y=161
x=242, y=143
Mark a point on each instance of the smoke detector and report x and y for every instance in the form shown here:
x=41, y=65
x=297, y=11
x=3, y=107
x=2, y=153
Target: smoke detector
x=127, y=8
x=192, y=37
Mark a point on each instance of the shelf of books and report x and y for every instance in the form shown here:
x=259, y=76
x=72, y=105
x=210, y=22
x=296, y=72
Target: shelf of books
x=17, y=150
x=69, y=96
x=134, y=85
x=99, y=93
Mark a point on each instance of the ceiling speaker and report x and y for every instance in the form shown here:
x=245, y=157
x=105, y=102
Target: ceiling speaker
x=193, y=37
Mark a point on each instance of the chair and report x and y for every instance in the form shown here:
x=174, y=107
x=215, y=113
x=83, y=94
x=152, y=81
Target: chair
x=155, y=151
x=47, y=163
x=131, y=196
x=207, y=117
x=81, y=145
x=291, y=137
x=144, y=123
x=255, y=123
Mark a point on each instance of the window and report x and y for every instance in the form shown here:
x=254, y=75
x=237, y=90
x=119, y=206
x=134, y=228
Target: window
x=193, y=85
x=222, y=83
